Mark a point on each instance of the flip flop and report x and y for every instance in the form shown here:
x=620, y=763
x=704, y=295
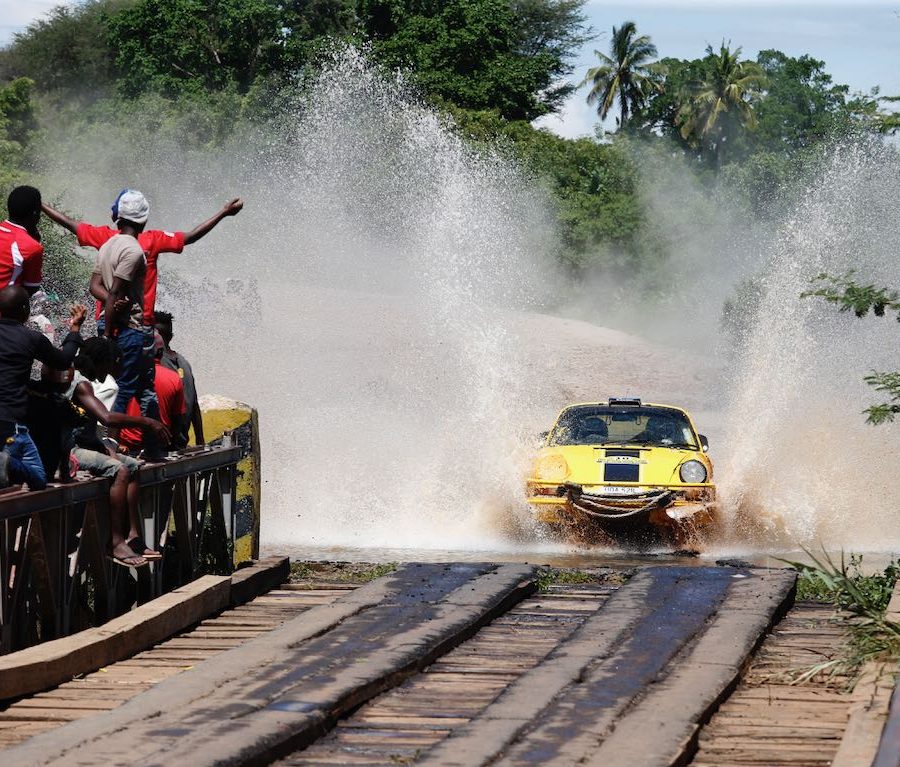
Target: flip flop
x=137, y=544
x=130, y=561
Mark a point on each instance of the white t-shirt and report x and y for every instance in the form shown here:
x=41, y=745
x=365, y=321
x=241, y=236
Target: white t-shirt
x=106, y=391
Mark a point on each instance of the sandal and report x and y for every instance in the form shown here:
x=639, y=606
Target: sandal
x=137, y=544
x=134, y=560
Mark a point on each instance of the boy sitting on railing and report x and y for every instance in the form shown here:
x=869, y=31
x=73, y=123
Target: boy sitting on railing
x=94, y=363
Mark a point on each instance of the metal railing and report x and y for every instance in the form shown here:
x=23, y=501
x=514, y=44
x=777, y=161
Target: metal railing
x=56, y=575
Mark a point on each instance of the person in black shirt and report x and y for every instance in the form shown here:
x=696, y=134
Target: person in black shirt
x=19, y=348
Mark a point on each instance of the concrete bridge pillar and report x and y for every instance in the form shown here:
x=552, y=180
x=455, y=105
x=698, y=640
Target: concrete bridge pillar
x=221, y=415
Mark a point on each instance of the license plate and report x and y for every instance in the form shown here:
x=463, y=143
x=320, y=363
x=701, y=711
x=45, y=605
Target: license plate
x=616, y=490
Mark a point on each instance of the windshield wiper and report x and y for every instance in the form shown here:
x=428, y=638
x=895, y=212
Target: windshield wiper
x=627, y=443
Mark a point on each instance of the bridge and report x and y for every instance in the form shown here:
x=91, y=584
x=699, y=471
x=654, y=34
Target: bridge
x=219, y=658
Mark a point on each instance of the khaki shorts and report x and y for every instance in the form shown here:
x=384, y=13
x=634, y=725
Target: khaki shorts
x=102, y=464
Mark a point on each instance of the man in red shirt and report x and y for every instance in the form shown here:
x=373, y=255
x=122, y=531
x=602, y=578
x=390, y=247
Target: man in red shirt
x=21, y=254
x=170, y=393
x=153, y=241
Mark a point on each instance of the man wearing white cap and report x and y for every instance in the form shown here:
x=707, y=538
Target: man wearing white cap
x=120, y=269
x=153, y=241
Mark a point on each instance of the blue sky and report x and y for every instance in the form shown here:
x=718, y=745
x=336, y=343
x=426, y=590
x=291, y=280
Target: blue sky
x=859, y=42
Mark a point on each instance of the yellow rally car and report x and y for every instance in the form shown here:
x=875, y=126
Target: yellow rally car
x=626, y=471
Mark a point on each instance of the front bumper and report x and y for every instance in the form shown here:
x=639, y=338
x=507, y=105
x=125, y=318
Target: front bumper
x=606, y=505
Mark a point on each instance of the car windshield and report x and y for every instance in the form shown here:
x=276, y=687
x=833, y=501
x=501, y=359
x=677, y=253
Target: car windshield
x=604, y=425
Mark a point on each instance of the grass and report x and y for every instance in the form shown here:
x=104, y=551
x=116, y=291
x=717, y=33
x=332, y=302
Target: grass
x=552, y=576
x=873, y=638
x=342, y=572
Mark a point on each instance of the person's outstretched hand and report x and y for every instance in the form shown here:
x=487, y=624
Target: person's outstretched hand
x=233, y=207
x=77, y=316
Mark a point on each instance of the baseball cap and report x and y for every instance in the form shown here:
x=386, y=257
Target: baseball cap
x=131, y=205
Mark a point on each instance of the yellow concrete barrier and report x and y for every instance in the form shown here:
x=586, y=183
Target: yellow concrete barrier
x=221, y=414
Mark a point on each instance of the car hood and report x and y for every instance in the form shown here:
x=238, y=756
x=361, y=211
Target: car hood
x=656, y=465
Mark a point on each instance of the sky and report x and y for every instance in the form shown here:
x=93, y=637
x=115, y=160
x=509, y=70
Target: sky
x=858, y=41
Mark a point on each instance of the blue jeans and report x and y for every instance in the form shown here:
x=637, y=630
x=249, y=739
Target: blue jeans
x=136, y=379
x=25, y=464
x=136, y=376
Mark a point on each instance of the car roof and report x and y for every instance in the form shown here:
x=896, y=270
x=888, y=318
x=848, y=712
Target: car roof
x=623, y=405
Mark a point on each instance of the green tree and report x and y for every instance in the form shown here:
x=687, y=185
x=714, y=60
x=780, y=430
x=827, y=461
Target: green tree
x=801, y=105
x=190, y=46
x=625, y=74
x=658, y=113
x=719, y=107
x=67, y=50
x=480, y=54
x=310, y=24
x=17, y=110
x=850, y=295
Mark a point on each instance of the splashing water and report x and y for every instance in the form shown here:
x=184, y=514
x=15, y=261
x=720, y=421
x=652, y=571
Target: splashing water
x=363, y=304
x=386, y=383
x=801, y=465
x=369, y=301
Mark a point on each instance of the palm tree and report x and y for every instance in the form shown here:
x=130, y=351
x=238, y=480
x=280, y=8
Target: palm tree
x=625, y=74
x=721, y=100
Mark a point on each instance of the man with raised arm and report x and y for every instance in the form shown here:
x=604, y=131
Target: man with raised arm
x=21, y=253
x=19, y=348
x=120, y=270
x=153, y=242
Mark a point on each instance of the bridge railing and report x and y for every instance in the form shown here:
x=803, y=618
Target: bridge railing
x=56, y=575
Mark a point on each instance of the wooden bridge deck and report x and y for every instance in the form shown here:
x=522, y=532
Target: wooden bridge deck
x=466, y=665
x=110, y=687
x=771, y=720
x=402, y=723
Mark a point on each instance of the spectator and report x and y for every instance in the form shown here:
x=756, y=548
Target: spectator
x=120, y=268
x=175, y=361
x=21, y=254
x=19, y=347
x=170, y=394
x=48, y=415
x=94, y=363
x=153, y=242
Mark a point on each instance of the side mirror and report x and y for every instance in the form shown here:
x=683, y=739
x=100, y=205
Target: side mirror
x=704, y=443
x=542, y=437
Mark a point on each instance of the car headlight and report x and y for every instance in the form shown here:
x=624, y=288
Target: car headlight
x=692, y=472
x=551, y=468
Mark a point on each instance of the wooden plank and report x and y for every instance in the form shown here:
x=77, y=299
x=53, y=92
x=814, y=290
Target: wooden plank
x=249, y=582
x=872, y=695
x=419, y=705
x=399, y=624
x=766, y=722
x=888, y=750
x=49, y=664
